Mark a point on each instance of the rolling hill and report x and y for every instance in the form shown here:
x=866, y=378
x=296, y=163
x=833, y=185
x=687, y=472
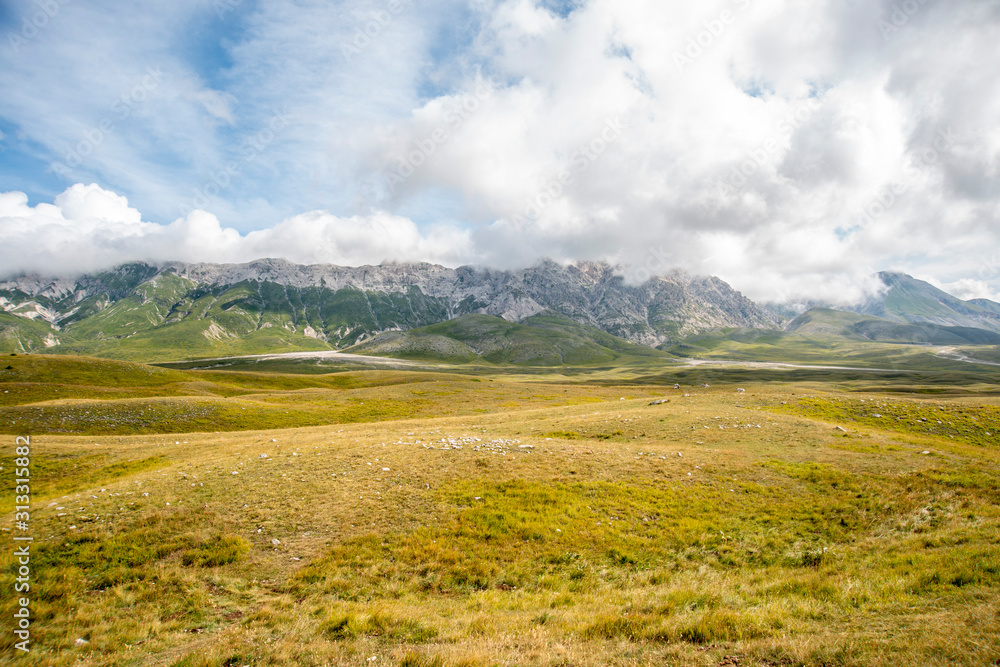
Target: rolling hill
x=828, y=322
x=547, y=339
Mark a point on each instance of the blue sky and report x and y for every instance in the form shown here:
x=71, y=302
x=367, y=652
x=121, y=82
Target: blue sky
x=791, y=148
x=217, y=94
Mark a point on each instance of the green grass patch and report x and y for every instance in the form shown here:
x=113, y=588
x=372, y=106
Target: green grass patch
x=220, y=550
x=59, y=474
x=978, y=425
x=375, y=624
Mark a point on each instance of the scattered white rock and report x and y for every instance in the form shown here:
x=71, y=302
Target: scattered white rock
x=925, y=452
x=80, y=641
x=275, y=541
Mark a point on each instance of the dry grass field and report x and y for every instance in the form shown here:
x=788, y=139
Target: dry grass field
x=433, y=519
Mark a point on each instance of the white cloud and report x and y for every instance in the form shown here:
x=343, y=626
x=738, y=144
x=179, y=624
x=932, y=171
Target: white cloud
x=90, y=202
x=838, y=130
x=970, y=288
x=88, y=228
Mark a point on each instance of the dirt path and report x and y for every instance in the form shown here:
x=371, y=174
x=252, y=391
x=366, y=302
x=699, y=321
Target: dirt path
x=955, y=355
x=775, y=365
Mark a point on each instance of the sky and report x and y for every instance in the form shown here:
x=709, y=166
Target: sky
x=790, y=147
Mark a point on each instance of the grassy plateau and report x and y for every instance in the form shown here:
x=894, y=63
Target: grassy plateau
x=273, y=514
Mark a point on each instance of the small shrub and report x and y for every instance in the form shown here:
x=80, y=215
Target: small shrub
x=724, y=626
x=617, y=627
x=412, y=659
x=221, y=551
x=813, y=559
x=376, y=624
x=622, y=558
x=344, y=626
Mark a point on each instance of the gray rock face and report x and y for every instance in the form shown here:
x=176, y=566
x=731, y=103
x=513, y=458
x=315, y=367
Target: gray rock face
x=402, y=296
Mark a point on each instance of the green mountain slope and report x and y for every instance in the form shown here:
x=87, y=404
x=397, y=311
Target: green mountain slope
x=914, y=301
x=541, y=340
x=138, y=312
x=547, y=315
x=19, y=334
x=828, y=322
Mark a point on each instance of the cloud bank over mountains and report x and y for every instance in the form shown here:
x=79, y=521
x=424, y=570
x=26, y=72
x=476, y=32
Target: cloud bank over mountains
x=791, y=149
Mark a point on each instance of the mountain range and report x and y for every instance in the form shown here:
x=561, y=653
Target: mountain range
x=548, y=314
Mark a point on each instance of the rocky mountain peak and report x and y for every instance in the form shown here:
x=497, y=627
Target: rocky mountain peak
x=342, y=304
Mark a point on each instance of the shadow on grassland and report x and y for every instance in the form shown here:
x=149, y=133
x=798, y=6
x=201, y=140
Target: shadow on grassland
x=903, y=381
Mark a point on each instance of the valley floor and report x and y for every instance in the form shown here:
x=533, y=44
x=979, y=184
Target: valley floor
x=436, y=519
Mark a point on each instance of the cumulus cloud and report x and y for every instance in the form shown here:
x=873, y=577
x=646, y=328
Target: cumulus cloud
x=792, y=150
x=88, y=228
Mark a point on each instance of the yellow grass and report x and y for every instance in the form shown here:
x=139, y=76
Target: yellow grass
x=543, y=524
